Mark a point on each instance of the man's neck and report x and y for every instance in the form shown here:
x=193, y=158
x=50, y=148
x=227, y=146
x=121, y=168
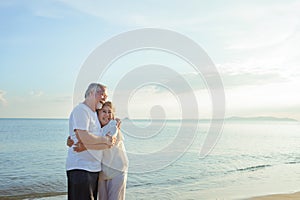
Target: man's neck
x=90, y=104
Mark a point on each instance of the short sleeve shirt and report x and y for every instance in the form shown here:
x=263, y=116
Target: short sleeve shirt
x=83, y=118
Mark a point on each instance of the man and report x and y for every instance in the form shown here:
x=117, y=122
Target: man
x=83, y=168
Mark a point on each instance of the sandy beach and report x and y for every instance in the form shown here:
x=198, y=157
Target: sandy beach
x=278, y=196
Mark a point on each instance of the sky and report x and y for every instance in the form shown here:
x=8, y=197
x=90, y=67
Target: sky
x=255, y=46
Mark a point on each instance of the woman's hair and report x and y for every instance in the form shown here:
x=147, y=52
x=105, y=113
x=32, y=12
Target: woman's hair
x=110, y=105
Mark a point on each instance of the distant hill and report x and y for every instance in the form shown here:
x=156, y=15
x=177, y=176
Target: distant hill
x=234, y=118
x=261, y=118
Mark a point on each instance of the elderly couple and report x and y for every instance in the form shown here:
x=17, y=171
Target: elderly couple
x=97, y=162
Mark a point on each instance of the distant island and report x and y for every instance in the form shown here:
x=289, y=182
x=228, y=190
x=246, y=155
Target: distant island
x=234, y=118
x=261, y=118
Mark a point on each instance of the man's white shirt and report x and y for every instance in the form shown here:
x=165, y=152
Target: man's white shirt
x=83, y=118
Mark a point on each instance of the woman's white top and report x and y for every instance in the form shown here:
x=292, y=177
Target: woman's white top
x=114, y=159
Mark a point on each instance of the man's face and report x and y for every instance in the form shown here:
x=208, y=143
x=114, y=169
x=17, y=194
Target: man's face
x=101, y=95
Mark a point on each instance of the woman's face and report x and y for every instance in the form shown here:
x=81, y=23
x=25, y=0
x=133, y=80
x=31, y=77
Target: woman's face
x=105, y=115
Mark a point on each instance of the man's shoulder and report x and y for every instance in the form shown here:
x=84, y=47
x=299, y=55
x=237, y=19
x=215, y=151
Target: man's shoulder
x=80, y=108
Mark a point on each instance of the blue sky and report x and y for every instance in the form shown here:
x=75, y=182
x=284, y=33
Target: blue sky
x=255, y=46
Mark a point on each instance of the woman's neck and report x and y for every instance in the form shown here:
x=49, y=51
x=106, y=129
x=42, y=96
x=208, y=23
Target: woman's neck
x=102, y=125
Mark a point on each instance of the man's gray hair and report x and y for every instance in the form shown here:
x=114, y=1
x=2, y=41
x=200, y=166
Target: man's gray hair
x=94, y=87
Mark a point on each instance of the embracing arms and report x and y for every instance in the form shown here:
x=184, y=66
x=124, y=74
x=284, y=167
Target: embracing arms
x=90, y=141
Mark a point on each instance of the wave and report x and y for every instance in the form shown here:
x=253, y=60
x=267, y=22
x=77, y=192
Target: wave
x=33, y=195
x=253, y=168
x=292, y=162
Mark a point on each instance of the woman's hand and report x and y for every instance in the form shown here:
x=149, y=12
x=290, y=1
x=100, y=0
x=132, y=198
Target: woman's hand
x=118, y=123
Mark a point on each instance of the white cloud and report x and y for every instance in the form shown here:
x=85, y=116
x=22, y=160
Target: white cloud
x=268, y=39
x=281, y=62
x=62, y=99
x=264, y=34
x=36, y=93
x=192, y=15
x=258, y=34
x=3, y=101
x=99, y=9
x=265, y=99
x=261, y=43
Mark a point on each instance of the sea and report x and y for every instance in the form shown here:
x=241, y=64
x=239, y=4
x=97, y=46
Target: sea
x=247, y=158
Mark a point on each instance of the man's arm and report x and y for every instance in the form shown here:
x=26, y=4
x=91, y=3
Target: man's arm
x=79, y=147
x=88, y=138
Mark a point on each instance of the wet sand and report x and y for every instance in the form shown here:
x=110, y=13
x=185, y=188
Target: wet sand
x=278, y=196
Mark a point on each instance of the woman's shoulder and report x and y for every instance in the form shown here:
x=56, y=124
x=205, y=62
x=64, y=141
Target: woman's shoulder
x=112, y=122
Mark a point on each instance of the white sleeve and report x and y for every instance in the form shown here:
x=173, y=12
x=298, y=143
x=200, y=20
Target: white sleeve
x=80, y=119
x=111, y=127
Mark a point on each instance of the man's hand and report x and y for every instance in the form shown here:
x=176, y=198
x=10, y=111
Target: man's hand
x=110, y=140
x=79, y=147
x=70, y=142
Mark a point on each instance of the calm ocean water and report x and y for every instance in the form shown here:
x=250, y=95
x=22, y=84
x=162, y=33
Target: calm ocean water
x=251, y=158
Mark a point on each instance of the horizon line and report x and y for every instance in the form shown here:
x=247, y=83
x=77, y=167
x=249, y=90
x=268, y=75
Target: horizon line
x=262, y=118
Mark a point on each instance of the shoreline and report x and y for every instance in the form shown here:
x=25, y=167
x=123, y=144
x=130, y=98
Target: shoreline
x=293, y=195
x=48, y=195
x=62, y=195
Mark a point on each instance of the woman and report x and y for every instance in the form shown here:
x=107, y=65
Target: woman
x=113, y=177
